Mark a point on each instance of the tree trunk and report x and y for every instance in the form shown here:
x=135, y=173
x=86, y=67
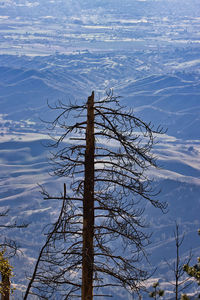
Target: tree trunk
x=177, y=265
x=5, y=287
x=88, y=206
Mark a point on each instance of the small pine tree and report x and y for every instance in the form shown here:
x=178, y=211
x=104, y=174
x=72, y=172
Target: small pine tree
x=8, y=248
x=6, y=274
x=194, y=271
x=184, y=297
x=157, y=292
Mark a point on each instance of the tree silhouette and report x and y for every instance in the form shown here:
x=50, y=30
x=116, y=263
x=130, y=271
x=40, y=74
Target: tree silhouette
x=179, y=282
x=104, y=152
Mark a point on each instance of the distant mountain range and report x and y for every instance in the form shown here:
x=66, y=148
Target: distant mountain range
x=167, y=99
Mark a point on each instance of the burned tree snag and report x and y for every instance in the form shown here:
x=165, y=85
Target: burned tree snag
x=88, y=206
x=102, y=152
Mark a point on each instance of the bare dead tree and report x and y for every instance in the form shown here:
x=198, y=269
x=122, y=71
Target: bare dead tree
x=180, y=282
x=105, y=152
x=5, y=243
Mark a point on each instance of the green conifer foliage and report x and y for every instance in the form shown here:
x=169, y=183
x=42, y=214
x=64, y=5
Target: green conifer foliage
x=184, y=297
x=6, y=274
x=157, y=292
x=194, y=271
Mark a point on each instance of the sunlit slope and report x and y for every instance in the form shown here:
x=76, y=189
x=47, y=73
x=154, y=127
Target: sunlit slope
x=24, y=164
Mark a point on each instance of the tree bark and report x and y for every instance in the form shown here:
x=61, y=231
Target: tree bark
x=88, y=206
x=5, y=287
